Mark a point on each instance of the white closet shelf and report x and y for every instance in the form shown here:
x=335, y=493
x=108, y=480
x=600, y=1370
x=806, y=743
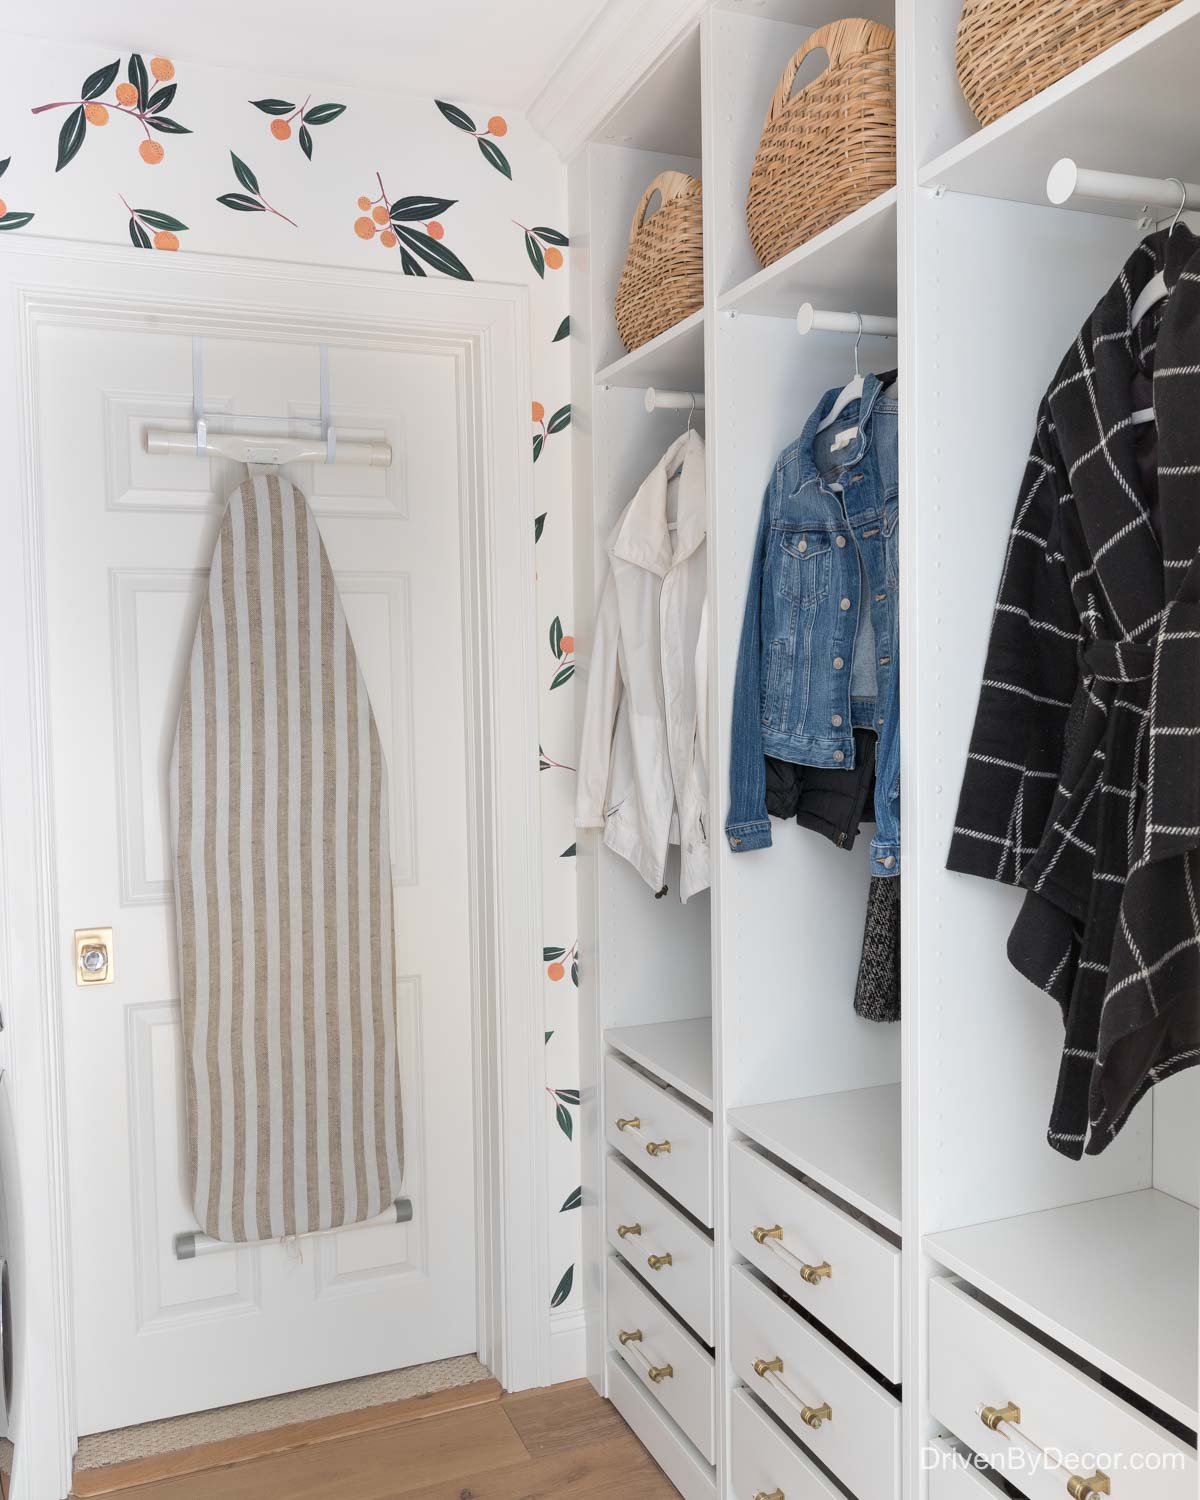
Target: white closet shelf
x=678, y=1052
x=1128, y=110
x=1113, y=1279
x=851, y=267
x=849, y=1143
x=675, y=358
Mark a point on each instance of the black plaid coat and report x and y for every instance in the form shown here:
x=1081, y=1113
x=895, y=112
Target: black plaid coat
x=1083, y=778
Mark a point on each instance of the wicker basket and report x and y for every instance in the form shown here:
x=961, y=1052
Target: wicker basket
x=830, y=149
x=663, y=278
x=1009, y=50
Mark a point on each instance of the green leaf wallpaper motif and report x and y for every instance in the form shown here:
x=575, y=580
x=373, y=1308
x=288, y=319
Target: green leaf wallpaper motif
x=284, y=114
x=11, y=219
x=150, y=228
x=133, y=98
x=557, y=423
x=573, y=1200
x=411, y=226
x=563, y=1290
x=497, y=126
x=544, y=247
x=252, y=200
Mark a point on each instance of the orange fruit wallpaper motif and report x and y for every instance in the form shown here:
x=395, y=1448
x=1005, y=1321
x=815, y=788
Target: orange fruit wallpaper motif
x=286, y=113
x=10, y=220
x=485, y=139
x=411, y=226
x=149, y=227
x=137, y=98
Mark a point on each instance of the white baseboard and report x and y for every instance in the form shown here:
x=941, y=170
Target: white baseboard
x=568, y=1346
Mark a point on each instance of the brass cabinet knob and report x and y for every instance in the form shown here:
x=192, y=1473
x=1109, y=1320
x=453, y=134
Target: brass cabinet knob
x=813, y=1416
x=634, y=1124
x=1083, y=1489
x=658, y=1148
x=625, y=1230
x=774, y=1495
x=761, y=1235
x=630, y=1338
x=657, y=1262
x=659, y=1373
x=814, y=1275
x=764, y=1367
x=992, y=1416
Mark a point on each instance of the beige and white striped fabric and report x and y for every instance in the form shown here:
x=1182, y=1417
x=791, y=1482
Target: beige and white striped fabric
x=283, y=893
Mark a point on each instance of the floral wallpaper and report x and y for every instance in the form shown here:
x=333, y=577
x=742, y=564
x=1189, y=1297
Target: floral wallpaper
x=146, y=148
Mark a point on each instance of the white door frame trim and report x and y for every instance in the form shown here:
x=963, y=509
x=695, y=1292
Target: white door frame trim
x=485, y=329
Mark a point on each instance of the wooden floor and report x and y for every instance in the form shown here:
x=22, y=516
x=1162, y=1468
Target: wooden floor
x=564, y=1441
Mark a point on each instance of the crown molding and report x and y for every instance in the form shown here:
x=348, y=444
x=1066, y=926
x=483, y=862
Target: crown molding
x=614, y=53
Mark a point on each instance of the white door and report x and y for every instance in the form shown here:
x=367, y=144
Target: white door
x=129, y=538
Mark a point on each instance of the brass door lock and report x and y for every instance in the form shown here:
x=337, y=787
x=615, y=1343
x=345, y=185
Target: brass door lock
x=93, y=955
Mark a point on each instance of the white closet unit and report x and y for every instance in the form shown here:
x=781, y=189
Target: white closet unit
x=871, y=1242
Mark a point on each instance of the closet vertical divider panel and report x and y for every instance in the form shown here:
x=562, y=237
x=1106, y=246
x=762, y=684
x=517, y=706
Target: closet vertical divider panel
x=644, y=963
x=995, y=287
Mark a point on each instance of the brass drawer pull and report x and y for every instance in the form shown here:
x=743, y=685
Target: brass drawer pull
x=774, y=1495
x=657, y=1262
x=814, y=1275
x=761, y=1235
x=764, y=1367
x=813, y=1416
x=1083, y=1489
x=992, y=1416
x=625, y=1230
x=658, y=1148
x=633, y=1124
x=630, y=1338
x=659, y=1373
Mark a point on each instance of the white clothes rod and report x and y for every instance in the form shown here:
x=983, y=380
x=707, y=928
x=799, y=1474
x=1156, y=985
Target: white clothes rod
x=657, y=400
x=812, y=319
x=248, y=448
x=194, y=1242
x=1068, y=180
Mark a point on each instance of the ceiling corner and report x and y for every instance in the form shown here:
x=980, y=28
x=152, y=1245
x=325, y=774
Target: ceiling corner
x=615, y=51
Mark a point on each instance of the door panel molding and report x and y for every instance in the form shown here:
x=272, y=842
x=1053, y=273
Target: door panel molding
x=483, y=329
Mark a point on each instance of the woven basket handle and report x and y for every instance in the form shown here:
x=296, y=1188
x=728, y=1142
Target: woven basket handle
x=842, y=40
x=668, y=185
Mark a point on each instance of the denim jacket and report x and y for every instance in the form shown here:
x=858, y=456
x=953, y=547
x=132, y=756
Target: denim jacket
x=819, y=650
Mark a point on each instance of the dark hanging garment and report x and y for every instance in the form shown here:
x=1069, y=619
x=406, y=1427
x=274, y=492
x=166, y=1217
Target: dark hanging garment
x=1083, y=778
x=829, y=802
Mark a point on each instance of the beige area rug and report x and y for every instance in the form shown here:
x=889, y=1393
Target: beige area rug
x=169, y=1436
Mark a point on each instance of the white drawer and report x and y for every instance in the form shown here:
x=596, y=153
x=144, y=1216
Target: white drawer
x=646, y=1228
x=953, y=1477
x=977, y=1358
x=767, y=1462
x=687, y=1392
x=860, y=1440
x=681, y=1161
x=859, y=1300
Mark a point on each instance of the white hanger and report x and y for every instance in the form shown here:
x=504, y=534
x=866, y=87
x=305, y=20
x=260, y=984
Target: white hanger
x=850, y=392
x=1153, y=293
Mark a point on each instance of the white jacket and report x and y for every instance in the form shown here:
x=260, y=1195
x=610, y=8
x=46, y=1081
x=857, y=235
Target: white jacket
x=642, y=770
